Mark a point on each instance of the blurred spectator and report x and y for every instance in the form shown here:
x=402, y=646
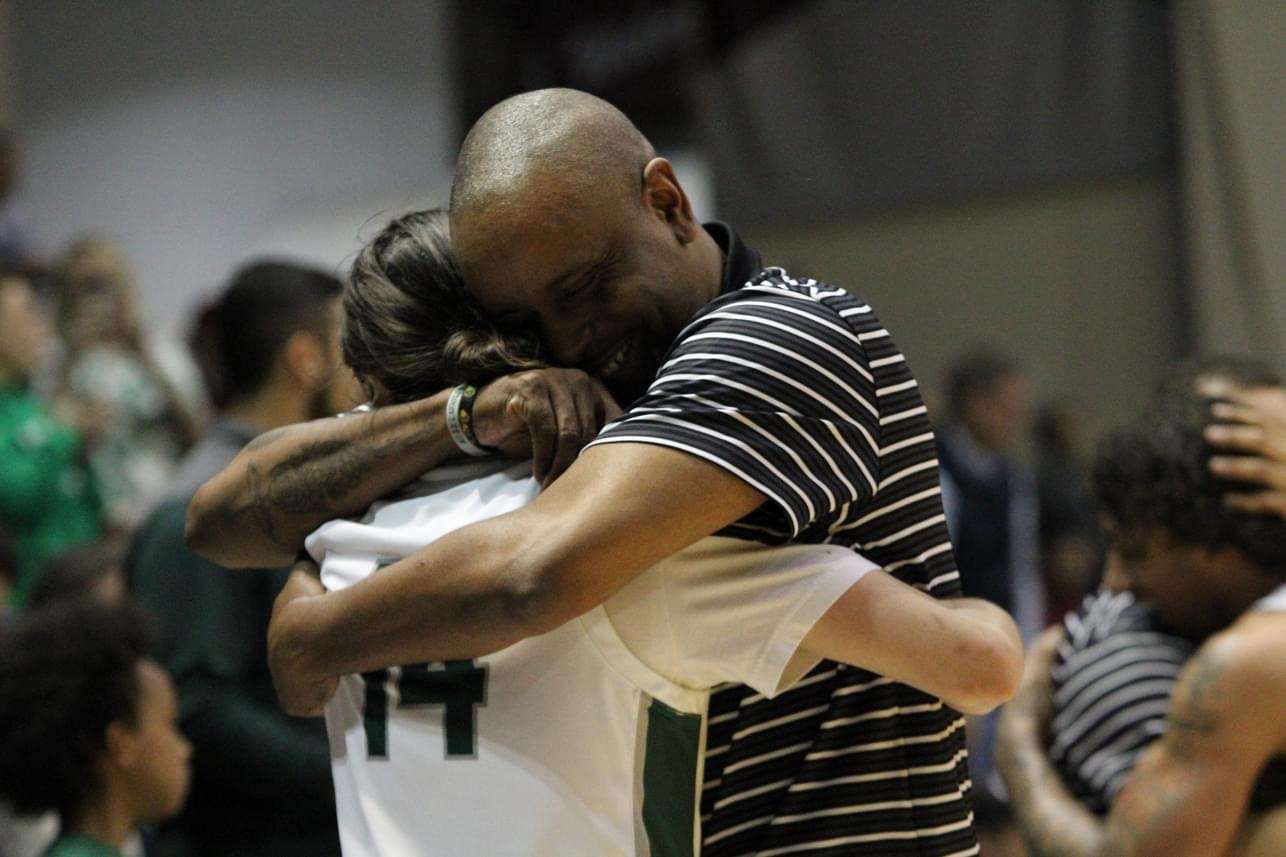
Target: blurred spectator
x=993, y=517
x=93, y=570
x=143, y=392
x=88, y=726
x=990, y=497
x=47, y=497
x=270, y=346
x=1071, y=544
x=15, y=246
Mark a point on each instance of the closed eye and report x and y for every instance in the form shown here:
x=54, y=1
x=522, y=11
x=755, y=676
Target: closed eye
x=593, y=279
x=585, y=287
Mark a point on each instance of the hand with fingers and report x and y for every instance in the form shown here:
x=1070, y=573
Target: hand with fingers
x=1250, y=432
x=549, y=414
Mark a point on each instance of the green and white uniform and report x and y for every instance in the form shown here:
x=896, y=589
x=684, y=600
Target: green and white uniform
x=583, y=741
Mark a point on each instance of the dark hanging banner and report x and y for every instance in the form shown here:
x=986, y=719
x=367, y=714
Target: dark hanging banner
x=818, y=108
x=642, y=55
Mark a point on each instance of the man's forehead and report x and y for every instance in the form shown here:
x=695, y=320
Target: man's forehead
x=508, y=267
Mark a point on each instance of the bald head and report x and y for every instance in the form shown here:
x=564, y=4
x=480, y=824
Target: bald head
x=573, y=139
x=565, y=222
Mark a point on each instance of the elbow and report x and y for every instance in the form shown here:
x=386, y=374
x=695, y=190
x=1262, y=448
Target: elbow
x=202, y=535
x=195, y=526
x=531, y=600
x=995, y=669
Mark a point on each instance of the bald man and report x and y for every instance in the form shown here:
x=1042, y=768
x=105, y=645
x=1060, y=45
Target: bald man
x=766, y=407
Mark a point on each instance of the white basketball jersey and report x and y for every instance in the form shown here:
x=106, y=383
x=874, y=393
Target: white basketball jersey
x=583, y=741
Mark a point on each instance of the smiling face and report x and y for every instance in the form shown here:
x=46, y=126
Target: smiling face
x=607, y=274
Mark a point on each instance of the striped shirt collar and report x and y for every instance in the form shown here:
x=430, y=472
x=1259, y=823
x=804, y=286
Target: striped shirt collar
x=740, y=263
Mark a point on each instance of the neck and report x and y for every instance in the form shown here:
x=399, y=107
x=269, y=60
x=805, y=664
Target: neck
x=712, y=265
x=271, y=408
x=107, y=819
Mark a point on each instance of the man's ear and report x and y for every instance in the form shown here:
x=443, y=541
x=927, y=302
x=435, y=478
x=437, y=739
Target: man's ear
x=304, y=359
x=663, y=195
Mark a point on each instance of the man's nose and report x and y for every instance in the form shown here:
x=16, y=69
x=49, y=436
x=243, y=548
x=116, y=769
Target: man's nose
x=568, y=337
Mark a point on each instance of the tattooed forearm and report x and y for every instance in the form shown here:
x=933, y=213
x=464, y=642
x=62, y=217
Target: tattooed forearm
x=1138, y=817
x=1051, y=821
x=288, y=481
x=321, y=476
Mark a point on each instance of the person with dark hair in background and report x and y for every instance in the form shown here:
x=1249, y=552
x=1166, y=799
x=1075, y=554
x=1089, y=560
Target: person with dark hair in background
x=1116, y=669
x=990, y=499
x=88, y=726
x=48, y=500
x=270, y=348
x=1115, y=744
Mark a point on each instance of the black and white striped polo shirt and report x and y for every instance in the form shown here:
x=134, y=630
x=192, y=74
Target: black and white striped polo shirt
x=796, y=387
x=1112, y=678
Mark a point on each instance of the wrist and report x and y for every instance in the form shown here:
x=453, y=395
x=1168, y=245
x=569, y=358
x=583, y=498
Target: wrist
x=460, y=422
x=427, y=419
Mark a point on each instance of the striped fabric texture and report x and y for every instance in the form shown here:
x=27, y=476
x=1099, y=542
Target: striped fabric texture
x=1112, y=679
x=796, y=387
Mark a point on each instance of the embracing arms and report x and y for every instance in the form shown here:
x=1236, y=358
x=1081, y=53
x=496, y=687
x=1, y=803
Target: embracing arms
x=965, y=651
x=487, y=586
x=1189, y=791
x=287, y=482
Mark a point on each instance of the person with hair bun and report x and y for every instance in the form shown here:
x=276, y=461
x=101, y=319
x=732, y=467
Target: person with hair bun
x=628, y=682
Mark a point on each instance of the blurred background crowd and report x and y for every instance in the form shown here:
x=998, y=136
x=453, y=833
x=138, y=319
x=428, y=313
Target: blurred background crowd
x=1048, y=202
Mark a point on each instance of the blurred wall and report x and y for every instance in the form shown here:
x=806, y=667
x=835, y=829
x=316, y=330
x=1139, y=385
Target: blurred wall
x=6, y=69
x=1231, y=68
x=198, y=133
x=1078, y=282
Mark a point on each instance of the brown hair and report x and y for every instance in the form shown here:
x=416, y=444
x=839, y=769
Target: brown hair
x=410, y=329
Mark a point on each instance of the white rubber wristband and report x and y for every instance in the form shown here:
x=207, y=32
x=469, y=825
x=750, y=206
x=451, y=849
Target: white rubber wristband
x=456, y=424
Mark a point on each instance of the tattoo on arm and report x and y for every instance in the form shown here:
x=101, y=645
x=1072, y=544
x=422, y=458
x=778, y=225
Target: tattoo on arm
x=1052, y=822
x=1142, y=817
x=315, y=480
x=1194, y=713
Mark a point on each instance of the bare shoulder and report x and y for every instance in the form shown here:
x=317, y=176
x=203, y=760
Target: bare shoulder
x=1235, y=685
x=1254, y=648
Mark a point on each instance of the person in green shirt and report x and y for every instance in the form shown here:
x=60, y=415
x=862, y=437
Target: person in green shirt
x=47, y=499
x=88, y=725
x=270, y=347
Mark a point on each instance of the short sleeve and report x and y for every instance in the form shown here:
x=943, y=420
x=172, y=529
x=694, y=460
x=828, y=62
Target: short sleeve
x=741, y=610
x=773, y=386
x=729, y=610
